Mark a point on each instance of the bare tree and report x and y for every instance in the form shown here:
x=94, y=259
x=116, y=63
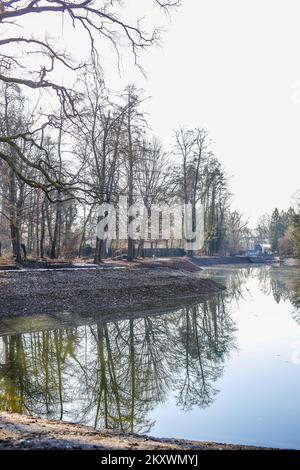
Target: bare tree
x=192, y=146
x=96, y=19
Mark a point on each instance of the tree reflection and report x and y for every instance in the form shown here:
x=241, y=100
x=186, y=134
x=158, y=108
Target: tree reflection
x=295, y=299
x=112, y=374
x=31, y=372
x=283, y=284
x=205, y=337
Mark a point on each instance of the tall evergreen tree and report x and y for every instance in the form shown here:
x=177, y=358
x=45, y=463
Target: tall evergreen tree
x=278, y=228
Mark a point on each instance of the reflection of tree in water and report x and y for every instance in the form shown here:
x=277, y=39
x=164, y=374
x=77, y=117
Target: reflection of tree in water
x=272, y=282
x=235, y=279
x=112, y=374
x=283, y=284
x=292, y=287
x=236, y=282
x=296, y=299
x=131, y=375
x=15, y=380
x=205, y=337
x=31, y=371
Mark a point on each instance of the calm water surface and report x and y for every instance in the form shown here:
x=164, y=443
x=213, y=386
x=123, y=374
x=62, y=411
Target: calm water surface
x=226, y=370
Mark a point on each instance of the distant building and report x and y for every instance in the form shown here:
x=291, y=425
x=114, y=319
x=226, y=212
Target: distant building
x=266, y=248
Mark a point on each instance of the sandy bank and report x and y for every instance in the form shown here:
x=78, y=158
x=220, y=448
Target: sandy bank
x=26, y=432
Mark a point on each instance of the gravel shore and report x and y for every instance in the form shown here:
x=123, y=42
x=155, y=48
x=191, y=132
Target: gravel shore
x=25, y=432
x=94, y=290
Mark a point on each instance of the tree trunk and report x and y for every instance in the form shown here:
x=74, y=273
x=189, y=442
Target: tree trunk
x=55, y=240
x=42, y=238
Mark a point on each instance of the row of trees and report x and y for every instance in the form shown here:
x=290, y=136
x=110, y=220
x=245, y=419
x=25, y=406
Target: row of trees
x=49, y=205
x=282, y=229
x=67, y=146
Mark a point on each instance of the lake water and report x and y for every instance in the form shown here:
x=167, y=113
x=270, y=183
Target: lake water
x=226, y=370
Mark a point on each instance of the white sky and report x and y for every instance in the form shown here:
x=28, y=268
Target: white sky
x=229, y=66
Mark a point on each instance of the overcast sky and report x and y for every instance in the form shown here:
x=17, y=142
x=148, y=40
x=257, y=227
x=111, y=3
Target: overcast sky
x=231, y=65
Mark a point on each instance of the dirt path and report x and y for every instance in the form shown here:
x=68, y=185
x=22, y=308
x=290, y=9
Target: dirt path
x=25, y=432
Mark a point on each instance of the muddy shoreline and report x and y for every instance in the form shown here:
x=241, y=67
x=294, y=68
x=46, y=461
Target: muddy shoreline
x=21, y=432
x=88, y=291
